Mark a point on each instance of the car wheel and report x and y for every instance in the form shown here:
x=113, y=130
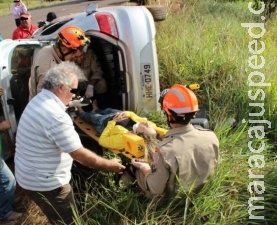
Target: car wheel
x=158, y=12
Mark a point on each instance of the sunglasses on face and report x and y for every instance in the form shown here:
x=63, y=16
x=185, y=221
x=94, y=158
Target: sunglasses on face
x=73, y=90
x=23, y=18
x=82, y=48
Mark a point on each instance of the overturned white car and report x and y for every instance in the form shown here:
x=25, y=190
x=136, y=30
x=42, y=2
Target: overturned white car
x=122, y=37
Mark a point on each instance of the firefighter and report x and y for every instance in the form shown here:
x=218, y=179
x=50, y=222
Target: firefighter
x=70, y=41
x=187, y=155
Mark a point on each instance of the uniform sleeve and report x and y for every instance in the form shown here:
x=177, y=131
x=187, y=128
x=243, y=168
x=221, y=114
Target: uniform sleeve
x=40, y=77
x=112, y=139
x=40, y=71
x=156, y=181
x=96, y=70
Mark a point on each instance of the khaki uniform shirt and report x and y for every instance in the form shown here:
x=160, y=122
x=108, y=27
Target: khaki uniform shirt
x=93, y=71
x=187, y=156
x=45, y=59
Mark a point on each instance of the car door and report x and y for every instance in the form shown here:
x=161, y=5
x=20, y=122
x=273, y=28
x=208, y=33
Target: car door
x=15, y=68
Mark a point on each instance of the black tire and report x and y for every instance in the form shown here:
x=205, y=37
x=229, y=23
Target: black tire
x=158, y=12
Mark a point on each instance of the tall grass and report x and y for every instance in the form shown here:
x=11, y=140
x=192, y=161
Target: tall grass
x=204, y=43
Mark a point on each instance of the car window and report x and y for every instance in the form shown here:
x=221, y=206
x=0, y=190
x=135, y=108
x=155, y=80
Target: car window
x=21, y=69
x=51, y=28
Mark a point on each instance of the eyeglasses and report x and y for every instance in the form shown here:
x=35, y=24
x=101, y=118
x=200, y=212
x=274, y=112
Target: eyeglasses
x=82, y=48
x=23, y=18
x=73, y=90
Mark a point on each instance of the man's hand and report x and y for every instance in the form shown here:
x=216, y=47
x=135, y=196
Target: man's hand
x=89, y=91
x=5, y=125
x=1, y=91
x=116, y=166
x=79, y=102
x=140, y=165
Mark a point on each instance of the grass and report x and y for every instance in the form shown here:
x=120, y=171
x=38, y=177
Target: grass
x=204, y=43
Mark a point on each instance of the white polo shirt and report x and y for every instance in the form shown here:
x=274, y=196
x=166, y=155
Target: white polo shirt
x=45, y=136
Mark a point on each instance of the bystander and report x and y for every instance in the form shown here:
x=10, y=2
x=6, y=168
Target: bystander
x=26, y=28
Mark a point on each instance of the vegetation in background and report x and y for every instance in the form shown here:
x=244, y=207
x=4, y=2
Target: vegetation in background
x=205, y=43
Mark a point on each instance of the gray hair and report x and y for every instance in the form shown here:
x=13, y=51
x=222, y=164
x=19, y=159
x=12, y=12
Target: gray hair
x=62, y=73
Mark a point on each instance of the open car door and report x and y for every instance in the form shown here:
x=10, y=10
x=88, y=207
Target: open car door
x=16, y=60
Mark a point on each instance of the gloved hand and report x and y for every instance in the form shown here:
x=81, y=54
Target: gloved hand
x=79, y=102
x=140, y=165
x=89, y=91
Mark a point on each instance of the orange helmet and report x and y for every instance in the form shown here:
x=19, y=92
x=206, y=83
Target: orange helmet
x=72, y=37
x=179, y=100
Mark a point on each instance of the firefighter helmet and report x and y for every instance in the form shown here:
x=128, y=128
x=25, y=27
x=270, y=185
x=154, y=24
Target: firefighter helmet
x=72, y=37
x=179, y=100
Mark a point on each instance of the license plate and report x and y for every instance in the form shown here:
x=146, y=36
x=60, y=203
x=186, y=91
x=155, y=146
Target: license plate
x=147, y=78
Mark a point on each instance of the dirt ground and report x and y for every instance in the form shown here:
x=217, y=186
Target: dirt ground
x=32, y=215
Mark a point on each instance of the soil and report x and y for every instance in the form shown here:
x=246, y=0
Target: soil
x=32, y=215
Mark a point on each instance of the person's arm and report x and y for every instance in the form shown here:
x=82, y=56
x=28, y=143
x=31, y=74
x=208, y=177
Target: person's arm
x=23, y=6
x=5, y=125
x=41, y=72
x=113, y=139
x=134, y=117
x=13, y=11
x=96, y=70
x=139, y=119
x=16, y=34
x=153, y=180
x=90, y=159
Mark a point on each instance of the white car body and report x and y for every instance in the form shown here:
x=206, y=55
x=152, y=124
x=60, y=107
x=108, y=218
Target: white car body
x=128, y=54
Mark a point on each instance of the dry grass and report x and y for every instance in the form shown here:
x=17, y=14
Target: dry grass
x=32, y=214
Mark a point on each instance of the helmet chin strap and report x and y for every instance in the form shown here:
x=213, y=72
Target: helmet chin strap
x=168, y=121
x=177, y=119
x=62, y=54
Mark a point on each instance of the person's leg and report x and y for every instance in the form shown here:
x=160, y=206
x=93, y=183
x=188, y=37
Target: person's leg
x=7, y=189
x=110, y=111
x=99, y=121
x=17, y=22
x=58, y=205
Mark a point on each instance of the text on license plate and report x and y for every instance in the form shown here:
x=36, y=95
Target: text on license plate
x=146, y=76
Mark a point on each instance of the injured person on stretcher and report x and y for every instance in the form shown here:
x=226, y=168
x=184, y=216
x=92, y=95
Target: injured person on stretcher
x=123, y=130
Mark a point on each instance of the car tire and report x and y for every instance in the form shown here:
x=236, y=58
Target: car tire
x=158, y=12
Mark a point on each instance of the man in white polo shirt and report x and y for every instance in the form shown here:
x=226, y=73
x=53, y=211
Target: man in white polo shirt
x=47, y=143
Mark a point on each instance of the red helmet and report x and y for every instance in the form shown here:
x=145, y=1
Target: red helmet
x=179, y=100
x=72, y=37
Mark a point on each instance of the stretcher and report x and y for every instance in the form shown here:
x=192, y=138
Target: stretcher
x=134, y=145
